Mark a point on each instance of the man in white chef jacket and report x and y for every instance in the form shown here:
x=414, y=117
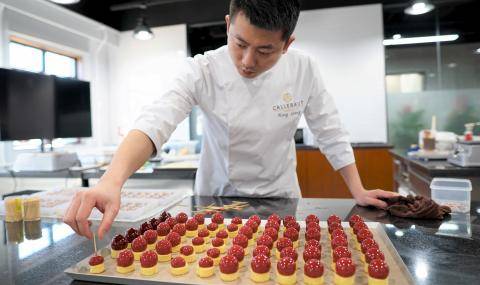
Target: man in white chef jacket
x=252, y=93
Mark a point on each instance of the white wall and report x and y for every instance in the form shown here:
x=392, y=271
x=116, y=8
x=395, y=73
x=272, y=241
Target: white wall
x=140, y=71
x=347, y=42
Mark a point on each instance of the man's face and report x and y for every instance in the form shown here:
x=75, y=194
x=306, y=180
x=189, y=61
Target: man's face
x=253, y=50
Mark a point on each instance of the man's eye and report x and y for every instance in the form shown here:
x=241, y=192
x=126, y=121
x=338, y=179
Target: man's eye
x=241, y=45
x=263, y=52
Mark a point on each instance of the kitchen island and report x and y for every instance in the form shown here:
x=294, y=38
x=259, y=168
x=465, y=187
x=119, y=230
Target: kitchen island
x=435, y=252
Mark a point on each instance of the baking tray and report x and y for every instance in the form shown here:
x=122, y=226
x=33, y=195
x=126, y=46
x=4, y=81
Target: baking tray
x=399, y=274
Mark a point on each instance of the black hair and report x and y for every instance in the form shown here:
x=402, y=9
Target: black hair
x=272, y=15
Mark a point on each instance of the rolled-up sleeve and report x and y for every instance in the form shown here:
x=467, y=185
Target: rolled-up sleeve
x=324, y=122
x=160, y=118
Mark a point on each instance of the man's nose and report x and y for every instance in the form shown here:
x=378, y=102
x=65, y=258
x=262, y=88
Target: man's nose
x=248, y=60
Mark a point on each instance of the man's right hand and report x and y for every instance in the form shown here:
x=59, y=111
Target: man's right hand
x=104, y=197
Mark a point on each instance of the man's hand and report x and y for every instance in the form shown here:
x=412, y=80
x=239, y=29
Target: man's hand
x=104, y=197
x=371, y=197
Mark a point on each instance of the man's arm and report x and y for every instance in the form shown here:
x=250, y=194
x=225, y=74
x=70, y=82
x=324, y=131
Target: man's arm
x=132, y=153
x=362, y=196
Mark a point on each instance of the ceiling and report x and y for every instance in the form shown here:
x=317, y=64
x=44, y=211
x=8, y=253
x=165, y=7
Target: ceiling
x=457, y=16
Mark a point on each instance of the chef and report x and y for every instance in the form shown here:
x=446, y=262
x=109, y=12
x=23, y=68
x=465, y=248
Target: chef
x=252, y=92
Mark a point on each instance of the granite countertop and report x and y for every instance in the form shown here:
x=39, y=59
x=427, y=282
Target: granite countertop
x=439, y=168
x=435, y=252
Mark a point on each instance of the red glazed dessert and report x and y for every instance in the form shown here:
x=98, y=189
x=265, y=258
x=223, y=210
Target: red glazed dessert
x=238, y=252
x=175, y=239
x=181, y=218
x=367, y=244
x=289, y=252
x=164, y=250
x=292, y=234
x=340, y=252
x=272, y=224
x=281, y=244
x=354, y=219
x=313, y=242
x=260, y=268
x=205, y=267
x=378, y=272
x=272, y=232
x=312, y=234
x=214, y=253
x=219, y=243
x=311, y=252
x=293, y=224
x=223, y=234
x=363, y=234
x=171, y=221
x=188, y=253
x=338, y=233
x=311, y=219
x=180, y=229
x=265, y=240
x=191, y=226
x=241, y=240
x=313, y=272
x=148, y=263
x=125, y=261
x=96, y=264
x=344, y=271
x=200, y=220
x=313, y=225
x=288, y=219
x=286, y=268
x=261, y=249
x=237, y=220
x=178, y=266
x=139, y=245
x=333, y=219
x=334, y=226
x=162, y=230
x=228, y=268
x=151, y=237
x=217, y=218
x=339, y=241
x=274, y=217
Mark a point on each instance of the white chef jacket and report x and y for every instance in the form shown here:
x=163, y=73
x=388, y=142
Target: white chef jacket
x=249, y=124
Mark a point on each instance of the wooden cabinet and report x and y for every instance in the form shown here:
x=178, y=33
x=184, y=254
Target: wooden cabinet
x=318, y=179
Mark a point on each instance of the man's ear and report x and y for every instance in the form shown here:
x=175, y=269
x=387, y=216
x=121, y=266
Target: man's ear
x=288, y=43
x=227, y=20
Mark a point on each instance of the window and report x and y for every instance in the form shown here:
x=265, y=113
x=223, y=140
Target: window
x=34, y=58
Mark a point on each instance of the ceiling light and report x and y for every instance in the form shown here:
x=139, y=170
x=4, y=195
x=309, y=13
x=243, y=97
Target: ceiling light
x=65, y=2
x=142, y=31
x=420, y=40
x=419, y=7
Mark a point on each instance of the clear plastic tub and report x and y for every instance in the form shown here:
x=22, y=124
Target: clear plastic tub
x=452, y=192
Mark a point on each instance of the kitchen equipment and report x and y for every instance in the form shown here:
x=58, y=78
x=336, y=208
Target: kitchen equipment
x=455, y=193
x=466, y=154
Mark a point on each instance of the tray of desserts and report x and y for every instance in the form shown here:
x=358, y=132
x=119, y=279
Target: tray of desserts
x=200, y=250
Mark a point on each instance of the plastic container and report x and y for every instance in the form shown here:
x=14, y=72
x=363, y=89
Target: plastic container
x=452, y=192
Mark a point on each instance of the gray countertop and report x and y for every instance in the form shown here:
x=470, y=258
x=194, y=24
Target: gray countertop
x=437, y=168
x=435, y=252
